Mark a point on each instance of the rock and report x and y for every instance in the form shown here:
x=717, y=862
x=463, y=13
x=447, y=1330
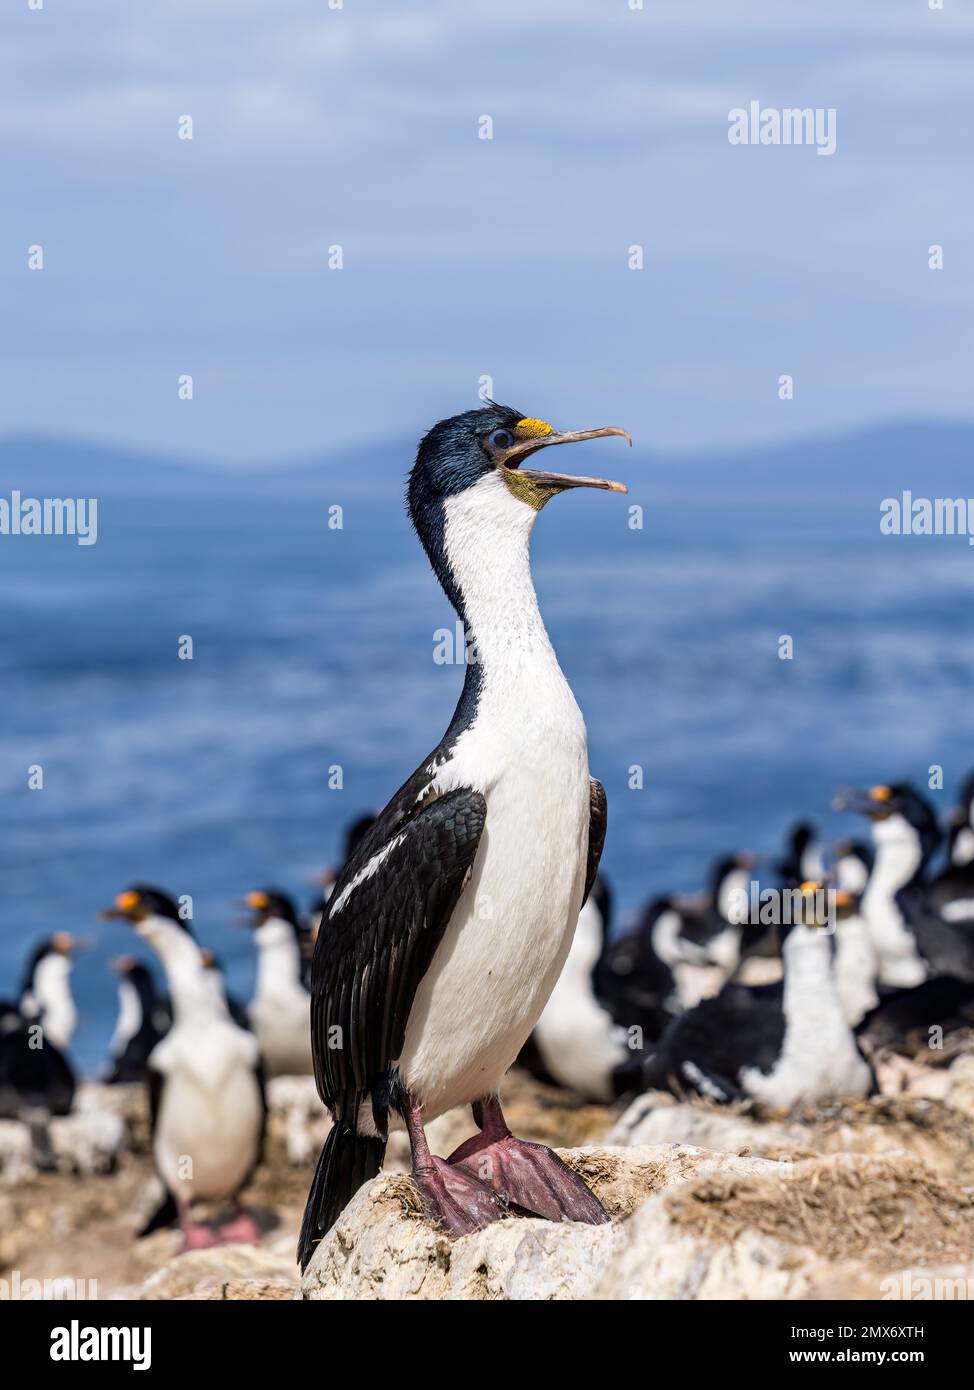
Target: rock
x=381, y=1248
x=687, y=1223
x=227, y=1272
x=935, y=1131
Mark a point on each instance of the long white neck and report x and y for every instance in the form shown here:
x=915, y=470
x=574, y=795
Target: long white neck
x=191, y=991
x=487, y=536
x=278, y=959
x=52, y=1001
x=898, y=857
x=519, y=687
x=807, y=959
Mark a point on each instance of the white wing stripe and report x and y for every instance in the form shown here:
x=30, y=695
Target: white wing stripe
x=372, y=867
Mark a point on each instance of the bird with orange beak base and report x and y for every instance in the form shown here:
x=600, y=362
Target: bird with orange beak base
x=206, y=1093
x=280, y=1011
x=449, y=925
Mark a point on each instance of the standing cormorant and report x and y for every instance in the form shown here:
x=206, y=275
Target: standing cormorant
x=449, y=925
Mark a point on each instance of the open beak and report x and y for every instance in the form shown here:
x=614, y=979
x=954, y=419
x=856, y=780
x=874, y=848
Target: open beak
x=523, y=448
x=125, y=906
x=877, y=803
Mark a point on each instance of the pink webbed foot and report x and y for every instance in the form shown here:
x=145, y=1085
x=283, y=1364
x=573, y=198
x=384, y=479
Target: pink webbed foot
x=455, y=1201
x=458, y=1202
x=241, y=1230
x=525, y=1175
x=198, y=1237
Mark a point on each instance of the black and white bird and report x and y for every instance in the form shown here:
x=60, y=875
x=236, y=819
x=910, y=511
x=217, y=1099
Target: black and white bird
x=144, y=1019
x=784, y=1044
x=46, y=990
x=280, y=1011
x=205, y=1083
x=37, y=1081
x=449, y=926
x=912, y=941
x=703, y=940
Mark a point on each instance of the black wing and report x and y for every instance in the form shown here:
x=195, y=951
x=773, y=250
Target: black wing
x=598, y=817
x=382, y=925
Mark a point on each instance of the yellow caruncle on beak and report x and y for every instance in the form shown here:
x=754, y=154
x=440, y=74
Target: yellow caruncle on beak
x=530, y=428
x=126, y=901
x=881, y=793
x=257, y=901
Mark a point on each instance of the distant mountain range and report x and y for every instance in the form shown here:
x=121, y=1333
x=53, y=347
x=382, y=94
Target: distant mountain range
x=932, y=458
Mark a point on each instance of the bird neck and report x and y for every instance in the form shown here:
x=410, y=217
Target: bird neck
x=484, y=565
x=807, y=960
x=129, y=1014
x=899, y=862
x=278, y=958
x=191, y=991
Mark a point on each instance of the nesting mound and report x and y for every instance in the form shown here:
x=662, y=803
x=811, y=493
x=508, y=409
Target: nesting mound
x=882, y=1211
x=687, y=1223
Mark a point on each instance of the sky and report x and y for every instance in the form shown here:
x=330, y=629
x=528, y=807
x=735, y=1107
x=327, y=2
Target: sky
x=465, y=258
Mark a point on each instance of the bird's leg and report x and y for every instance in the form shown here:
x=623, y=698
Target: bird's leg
x=526, y=1175
x=457, y=1201
x=195, y=1235
x=242, y=1228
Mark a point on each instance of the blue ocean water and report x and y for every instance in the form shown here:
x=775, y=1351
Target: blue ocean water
x=314, y=647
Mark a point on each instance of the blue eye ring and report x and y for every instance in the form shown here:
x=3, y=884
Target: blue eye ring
x=500, y=439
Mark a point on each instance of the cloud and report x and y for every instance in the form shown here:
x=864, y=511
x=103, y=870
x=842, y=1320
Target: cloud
x=359, y=126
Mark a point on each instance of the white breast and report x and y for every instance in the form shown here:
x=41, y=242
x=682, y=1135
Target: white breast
x=281, y=1008
x=963, y=848
x=129, y=1017
x=579, y=1044
x=52, y=999
x=208, y=1127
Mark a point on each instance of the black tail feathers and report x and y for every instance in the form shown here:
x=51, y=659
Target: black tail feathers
x=346, y=1162
x=165, y=1214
